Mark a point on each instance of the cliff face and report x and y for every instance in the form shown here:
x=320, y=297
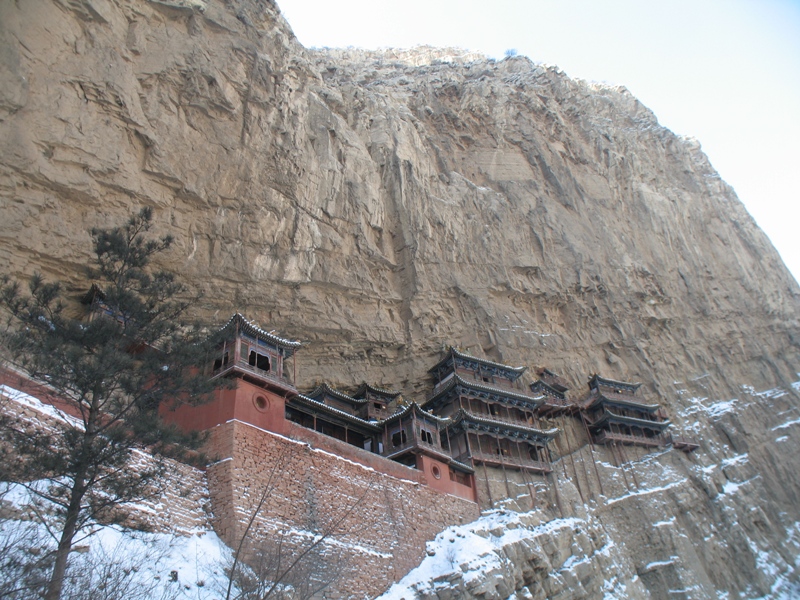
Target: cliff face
x=380, y=206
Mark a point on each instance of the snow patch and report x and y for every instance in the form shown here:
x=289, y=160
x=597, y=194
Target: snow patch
x=785, y=425
x=39, y=406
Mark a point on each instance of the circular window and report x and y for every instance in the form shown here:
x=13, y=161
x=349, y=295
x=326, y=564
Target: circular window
x=436, y=472
x=261, y=402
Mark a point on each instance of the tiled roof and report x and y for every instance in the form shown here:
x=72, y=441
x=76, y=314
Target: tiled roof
x=452, y=352
x=246, y=326
x=457, y=380
x=365, y=387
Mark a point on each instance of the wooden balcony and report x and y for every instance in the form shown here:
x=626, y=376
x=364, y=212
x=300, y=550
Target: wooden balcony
x=414, y=445
x=260, y=374
x=516, y=421
x=553, y=405
x=503, y=460
x=684, y=444
x=610, y=437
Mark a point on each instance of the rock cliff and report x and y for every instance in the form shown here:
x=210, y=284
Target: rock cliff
x=382, y=205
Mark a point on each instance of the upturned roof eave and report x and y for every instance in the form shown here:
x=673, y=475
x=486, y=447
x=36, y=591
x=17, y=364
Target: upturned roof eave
x=457, y=380
x=463, y=415
x=452, y=353
x=247, y=326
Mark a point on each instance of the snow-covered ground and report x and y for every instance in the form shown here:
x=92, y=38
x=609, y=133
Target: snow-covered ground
x=141, y=565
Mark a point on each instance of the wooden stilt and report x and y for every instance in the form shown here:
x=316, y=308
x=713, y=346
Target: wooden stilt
x=558, y=495
x=531, y=491
x=572, y=458
x=633, y=471
x=562, y=455
x=591, y=451
x=503, y=466
x=488, y=487
x=615, y=446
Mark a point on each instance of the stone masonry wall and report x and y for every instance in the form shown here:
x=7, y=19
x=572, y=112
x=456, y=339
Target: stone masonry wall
x=378, y=523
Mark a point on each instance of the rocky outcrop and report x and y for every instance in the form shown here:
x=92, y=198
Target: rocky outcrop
x=380, y=205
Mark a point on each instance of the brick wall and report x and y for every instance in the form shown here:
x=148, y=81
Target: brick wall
x=379, y=521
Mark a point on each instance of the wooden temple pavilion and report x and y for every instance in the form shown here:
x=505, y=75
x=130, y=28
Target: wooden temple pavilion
x=261, y=365
x=409, y=435
x=553, y=390
x=614, y=414
x=250, y=353
x=490, y=414
x=336, y=414
x=380, y=403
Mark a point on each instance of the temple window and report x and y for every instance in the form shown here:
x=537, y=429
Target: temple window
x=221, y=362
x=258, y=360
x=399, y=438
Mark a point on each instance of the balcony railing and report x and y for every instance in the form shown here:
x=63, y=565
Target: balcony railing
x=627, y=414
x=261, y=373
x=500, y=384
x=413, y=444
x=518, y=421
x=605, y=436
x=528, y=464
x=683, y=443
x=554, y=381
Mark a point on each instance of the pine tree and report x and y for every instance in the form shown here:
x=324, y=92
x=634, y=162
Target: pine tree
x=113, y=370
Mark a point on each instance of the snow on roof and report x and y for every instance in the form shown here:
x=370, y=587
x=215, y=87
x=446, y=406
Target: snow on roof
x=324, y=388
x=247, y=326
x=453, y=353
x=365, y=387
x=458, y=380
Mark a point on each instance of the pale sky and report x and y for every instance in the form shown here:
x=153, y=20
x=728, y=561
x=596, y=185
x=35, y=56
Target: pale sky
x=726, y=72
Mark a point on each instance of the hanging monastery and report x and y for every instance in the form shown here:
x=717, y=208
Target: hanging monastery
x=392, y=472
x=480, y=423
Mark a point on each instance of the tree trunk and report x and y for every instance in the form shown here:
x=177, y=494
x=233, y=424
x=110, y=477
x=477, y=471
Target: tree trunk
x=56, y=583
x=76, y=494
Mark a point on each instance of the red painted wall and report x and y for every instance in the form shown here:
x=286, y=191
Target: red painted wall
x=247, y=403
x=429, y=466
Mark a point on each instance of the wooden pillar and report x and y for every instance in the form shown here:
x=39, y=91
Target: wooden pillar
x=591, y=451
x=563, y=457
x=572, y=459
x=531, y=489
x=558, y=495
x=633, y=471
x=615, y=446
x=502, y=465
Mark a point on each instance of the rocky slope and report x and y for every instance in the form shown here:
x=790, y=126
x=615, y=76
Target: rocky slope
x=381, y=205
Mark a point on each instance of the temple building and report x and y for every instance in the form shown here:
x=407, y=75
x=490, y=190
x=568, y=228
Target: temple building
x=260, y=367
x=553, y=390
x=481, y=419
x=378, y=421
x=336, y=414
x=614, y=414
x=491, y=414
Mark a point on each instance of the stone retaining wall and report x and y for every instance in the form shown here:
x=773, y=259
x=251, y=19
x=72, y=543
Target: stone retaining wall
x=378, y=522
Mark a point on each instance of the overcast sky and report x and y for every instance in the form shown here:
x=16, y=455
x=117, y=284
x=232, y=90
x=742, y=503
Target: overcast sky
x=726, y=72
